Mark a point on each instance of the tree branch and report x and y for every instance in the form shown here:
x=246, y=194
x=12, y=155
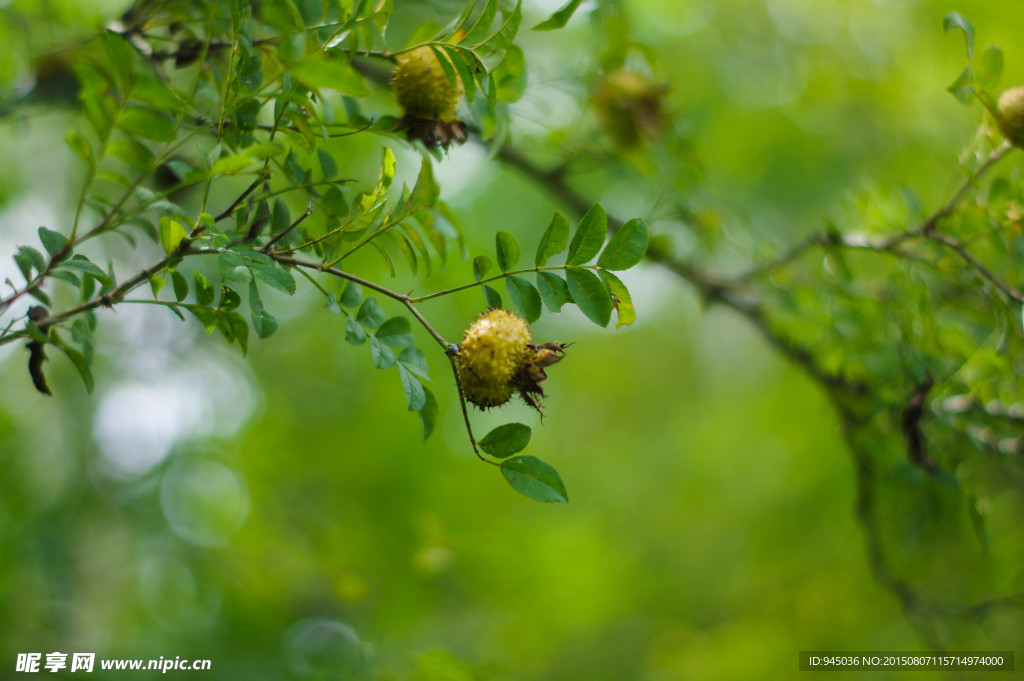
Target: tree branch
x=926, y=228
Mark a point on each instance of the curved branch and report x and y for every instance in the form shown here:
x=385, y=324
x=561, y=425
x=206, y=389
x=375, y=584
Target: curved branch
x=926, y=228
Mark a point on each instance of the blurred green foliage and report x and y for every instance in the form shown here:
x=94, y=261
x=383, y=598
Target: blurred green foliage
x=280, y=514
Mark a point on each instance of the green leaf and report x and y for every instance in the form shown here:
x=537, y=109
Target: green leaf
x=415, y=393
x=132, y=153
x=406, y=249
x=446, y=66
x=81, y=363
x=82, y=335
x=352, y=295
x=263, y=322
x=205, y=315
x=524, y=297
x=229, y=298
x=590, y=295
x=553, y=290
x=396, y=333
x=53, y=242
x=233, y=267
x=180, y=285
x=535, y=479
x=80, y=146
x=956, y=20
x=234, y=328
x=82, y=264
x=262, y=152
x=275, y=276
x=148, y=88
x=554, y=241
x=559, y=18
x=332, y=304
x=437, y=239
x=387, y=172
x=621, y=299
x=171, y=234
x=481, y=265
x=370, y=314
x=36, y=333
x=506, y=440
x=510, y=75
x=66, y=276
x=41, y=296
x=27, y=258
x=962, y=87
x=147, y=123
x=354, y=333
x=465, y=66
x=384, y=254
x=989, y=68
x=492, y=95
x=318, y=70
x=250, y=72
x=415, y=361
x=425, y=33
x=24, y=264
x=482, y=27
x=231, y=165
x=327, y=163
x=428, y=414
x=508, y=250
x=626, y=247
x=504, y=36
x=292, y=170
x=460, y=22
x=416, y=243
x=204, y=290
x=492, y=297
x=88, y=288
x=589, y=237
x=281, y=216
x=383, y=357
x=425, y=192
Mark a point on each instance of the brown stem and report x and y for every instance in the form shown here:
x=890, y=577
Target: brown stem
x=926, y=228
x=465, y=411
x=286, y=230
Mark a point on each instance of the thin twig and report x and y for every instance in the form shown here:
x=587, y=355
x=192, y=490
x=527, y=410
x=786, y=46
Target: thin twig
x=926, y=228
x=115, y=296
x=226, y=213
x=416, y=313
x=321, y=267
x=284, y=232
x=958, y=248
x=465, y=411
x=498, y=277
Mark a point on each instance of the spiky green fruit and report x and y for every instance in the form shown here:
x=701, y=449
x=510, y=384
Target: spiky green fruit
x=1010, y=115
x=422, y=88
x=630, y=107
x=496, y=346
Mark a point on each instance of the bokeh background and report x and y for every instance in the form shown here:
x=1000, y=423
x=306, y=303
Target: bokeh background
x=280, y=515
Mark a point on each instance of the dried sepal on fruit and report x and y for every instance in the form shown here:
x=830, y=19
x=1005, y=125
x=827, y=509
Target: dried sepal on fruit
x=1010, y=115
x=428, y=99
x=531, y=374
x=496, y=360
